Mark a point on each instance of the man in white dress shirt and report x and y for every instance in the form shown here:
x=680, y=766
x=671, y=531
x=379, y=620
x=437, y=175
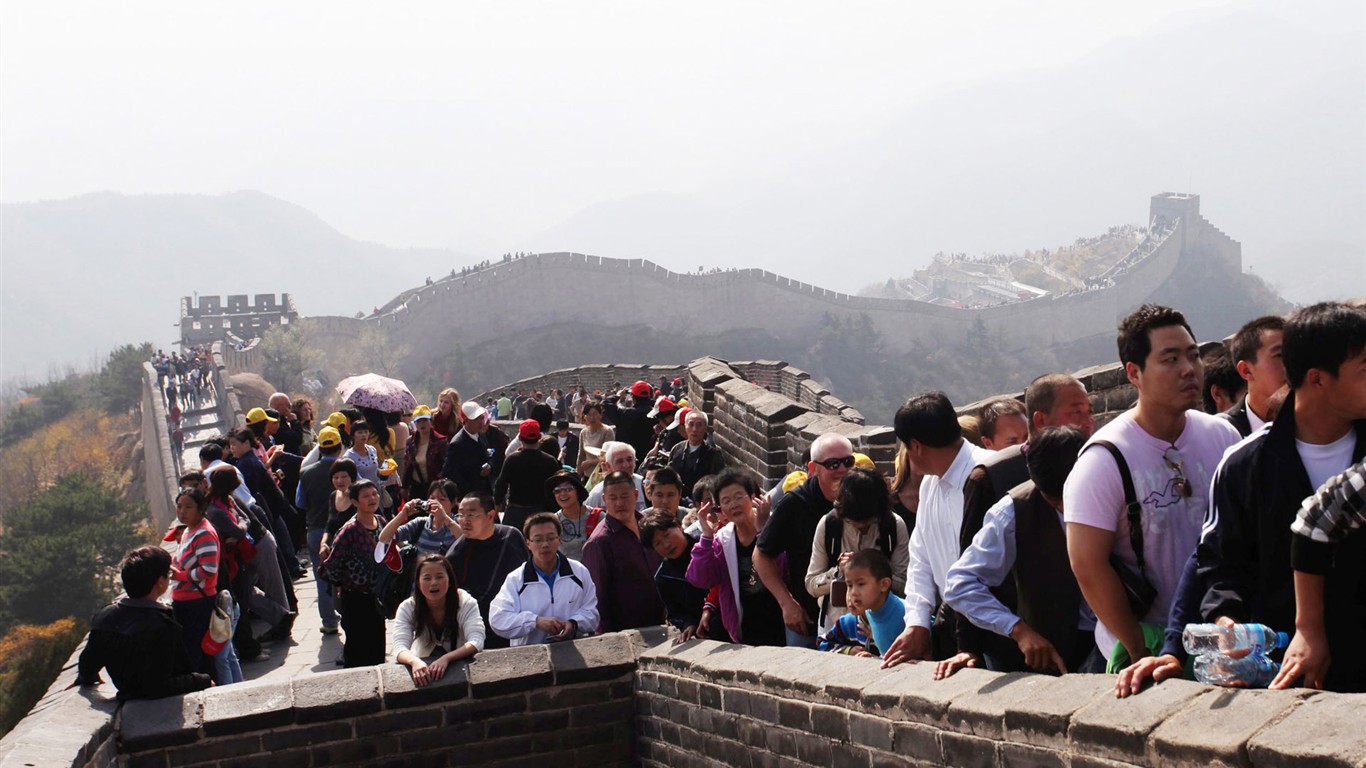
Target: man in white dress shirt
x=928, y=427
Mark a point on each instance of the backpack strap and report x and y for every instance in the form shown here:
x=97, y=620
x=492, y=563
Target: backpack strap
x=1133, y=510
x=886, y=540
x=834, y=533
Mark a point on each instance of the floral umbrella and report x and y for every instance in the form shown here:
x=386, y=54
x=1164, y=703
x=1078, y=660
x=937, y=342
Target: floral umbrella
x=371, y=390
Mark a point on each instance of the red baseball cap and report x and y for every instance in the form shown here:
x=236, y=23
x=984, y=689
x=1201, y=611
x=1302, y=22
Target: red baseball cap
x=529, y=431
x=641, y=389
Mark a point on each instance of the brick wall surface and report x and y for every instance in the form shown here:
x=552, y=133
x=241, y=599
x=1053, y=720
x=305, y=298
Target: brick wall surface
x=635, y=698
x=705, y=704
x=570, y=704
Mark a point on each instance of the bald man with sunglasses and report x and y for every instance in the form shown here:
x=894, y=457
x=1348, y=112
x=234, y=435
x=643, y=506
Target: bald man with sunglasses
x=791, y=529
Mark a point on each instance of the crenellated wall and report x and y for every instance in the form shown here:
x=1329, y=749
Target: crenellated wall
x=757, y=300
x=607, y=377
x=764, y=413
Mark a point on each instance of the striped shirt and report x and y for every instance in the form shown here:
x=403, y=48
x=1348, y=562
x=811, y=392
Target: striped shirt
x=1335, y=510
x=196, y=564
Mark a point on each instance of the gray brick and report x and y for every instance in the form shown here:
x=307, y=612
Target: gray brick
x=332, y=695
x=235, y=746
x=510, y=670
x=794, y=714
x=604, y=657
x=982, y=712
x=394, y=722
x=917, y=741
x=963, y=751
x=306, y=735
x=396, y=681
x=1118, y=728
x=709, y=696
x=830, y=722
x=1044, y=720
x=568, y=697
x=606, y=712
x=466, y=711
x=814, y=749
x=1214, y=729
x=1024, y=756
x=148, y=724
x=1322, y=731
x=248, y=707
x=873, y=732
x=355, y=750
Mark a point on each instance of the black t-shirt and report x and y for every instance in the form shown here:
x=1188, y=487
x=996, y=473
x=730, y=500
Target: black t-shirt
x=790, y=529
x=762, y=623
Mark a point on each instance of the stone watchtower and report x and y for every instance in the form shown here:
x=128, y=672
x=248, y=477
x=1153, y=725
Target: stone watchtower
x=1198, y=238
x=1170, y=206
x=212, y=319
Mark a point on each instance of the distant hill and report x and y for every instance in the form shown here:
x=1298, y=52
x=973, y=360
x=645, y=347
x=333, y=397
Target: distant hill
x=83, y=275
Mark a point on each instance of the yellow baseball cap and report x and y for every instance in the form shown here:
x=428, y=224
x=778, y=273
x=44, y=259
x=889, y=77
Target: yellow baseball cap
x=329, y=437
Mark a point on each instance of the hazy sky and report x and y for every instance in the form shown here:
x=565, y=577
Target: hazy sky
x=836, y=143
x=476, y=125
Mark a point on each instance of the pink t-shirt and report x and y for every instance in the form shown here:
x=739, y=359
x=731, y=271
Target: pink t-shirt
x=1094, y=496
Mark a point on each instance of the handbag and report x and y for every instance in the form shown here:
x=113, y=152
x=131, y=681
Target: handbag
x=219, y=631
x=1137, y=589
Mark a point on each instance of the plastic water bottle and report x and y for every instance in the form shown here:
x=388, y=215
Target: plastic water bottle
x=1254, y=671
x=1212, y=638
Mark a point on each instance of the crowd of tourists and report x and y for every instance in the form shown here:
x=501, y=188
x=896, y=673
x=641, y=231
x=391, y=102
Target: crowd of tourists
x=1016, y=538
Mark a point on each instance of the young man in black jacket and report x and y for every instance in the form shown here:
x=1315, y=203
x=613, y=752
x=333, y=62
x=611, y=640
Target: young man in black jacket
x=137, y=638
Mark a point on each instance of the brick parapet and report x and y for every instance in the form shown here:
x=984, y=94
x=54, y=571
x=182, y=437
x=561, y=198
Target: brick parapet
x=707, y=704
x=635, y=698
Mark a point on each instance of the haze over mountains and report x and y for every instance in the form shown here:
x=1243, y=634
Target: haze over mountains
x=1251, y=109
x=1260, y=108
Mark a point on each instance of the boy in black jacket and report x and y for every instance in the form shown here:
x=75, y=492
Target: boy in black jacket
x=137, y=638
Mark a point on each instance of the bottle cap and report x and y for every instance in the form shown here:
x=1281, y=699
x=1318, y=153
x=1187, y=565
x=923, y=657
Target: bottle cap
x=1282, y=640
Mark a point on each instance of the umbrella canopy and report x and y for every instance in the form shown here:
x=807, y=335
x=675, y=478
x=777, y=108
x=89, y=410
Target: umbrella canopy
x=370, y=390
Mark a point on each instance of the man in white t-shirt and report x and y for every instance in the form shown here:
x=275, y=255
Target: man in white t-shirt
x=1171, y=449
x=929, y=428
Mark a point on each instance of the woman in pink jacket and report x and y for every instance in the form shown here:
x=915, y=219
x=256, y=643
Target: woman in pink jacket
x=724, y=557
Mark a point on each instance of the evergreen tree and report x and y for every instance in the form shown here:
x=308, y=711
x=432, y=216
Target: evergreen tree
x=59, y=550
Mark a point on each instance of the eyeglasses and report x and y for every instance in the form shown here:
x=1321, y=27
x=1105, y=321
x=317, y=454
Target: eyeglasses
x=834, y=464
x=539, y=540
x=566, y=488
x=1177, y=463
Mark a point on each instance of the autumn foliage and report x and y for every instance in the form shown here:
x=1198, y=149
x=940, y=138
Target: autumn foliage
x=30, y=657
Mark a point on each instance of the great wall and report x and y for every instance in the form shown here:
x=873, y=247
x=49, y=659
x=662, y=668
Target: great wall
x=635, y=698
x=512, y=297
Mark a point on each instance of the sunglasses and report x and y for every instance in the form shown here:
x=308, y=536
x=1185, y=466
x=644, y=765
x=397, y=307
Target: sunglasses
x=1177, y=463
x=834, y=464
